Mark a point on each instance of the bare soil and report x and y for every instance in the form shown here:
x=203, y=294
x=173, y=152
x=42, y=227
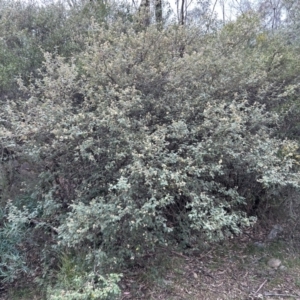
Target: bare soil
x=235, y=269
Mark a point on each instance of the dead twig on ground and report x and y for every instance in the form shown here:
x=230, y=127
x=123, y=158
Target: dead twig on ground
x=280, y=295
x=260, y=287
x=205, y=273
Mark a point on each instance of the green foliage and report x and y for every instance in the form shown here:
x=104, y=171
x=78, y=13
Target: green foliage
x=12, y=233
x=85, y=288
x=74, y=283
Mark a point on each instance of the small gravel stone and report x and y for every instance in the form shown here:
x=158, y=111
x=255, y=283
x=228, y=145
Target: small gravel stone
x=282, y=268
x=274, y=263
x=259, y=245
x=274, y=232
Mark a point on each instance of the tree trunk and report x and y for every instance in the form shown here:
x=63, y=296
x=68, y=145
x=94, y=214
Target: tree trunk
x=144, y=12
x=158, y=13
x=182, y=16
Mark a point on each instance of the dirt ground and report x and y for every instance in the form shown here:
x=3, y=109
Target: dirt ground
x=235, y=269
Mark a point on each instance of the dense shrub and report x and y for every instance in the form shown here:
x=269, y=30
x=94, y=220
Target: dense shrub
x=152, y=137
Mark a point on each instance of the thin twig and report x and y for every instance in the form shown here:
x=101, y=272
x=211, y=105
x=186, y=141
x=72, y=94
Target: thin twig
x=260, y=287
x=174, y=252
x=179, y=254
x=205, y=273
x=280, y=295
x=35, y=222
x=204, y=255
